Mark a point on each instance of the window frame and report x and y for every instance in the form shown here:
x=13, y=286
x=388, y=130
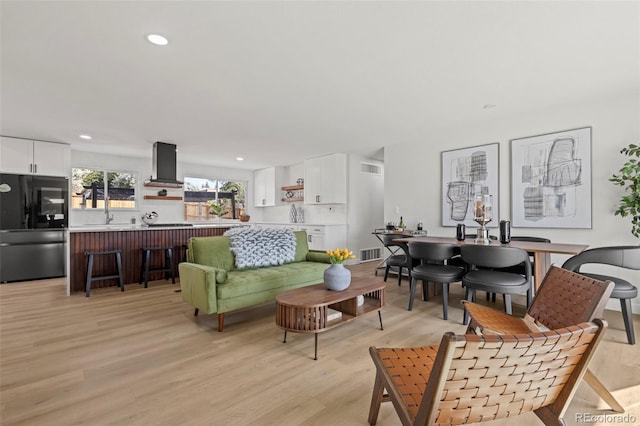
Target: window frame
x=105, y=193
x=240, y=205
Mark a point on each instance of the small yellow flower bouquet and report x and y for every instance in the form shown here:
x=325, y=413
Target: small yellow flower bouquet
x=340, y=255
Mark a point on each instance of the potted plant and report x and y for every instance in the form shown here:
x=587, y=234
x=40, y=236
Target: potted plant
x=217, y=208
x=628, y=177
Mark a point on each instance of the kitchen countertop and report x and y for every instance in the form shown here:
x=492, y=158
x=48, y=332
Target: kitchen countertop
x=298, y=223
x=138, y=227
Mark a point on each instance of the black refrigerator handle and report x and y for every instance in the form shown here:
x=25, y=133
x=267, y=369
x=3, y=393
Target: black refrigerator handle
x=28, y=204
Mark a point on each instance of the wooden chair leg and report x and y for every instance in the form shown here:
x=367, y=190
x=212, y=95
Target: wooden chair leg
x=119, y=265
x=87, y=286
x=376, y=399
x=602, y=391
x=220, y=322
x=549, y=417
x=169, y=264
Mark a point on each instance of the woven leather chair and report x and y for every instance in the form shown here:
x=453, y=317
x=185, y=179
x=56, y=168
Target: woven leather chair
x=492, y=281
x=564, y=298
x=473, y=378
x=399, y=261
x=622, y=256
x=439, y=272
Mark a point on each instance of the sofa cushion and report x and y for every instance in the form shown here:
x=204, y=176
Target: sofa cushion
x=261, y=247
x=212, y=251
x=245, y=282
x=302, y=247
x=318, y=256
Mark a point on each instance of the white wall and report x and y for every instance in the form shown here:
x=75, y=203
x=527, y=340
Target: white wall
x=413, y=171
x=365, y=205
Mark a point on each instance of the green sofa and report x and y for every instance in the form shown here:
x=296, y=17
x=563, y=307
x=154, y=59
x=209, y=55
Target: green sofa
x=210, y=281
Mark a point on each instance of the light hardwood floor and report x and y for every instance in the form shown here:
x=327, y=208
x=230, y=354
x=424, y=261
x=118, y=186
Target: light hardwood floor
x=141, y=358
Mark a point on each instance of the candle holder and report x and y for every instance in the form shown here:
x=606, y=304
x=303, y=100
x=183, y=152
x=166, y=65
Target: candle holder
x=482, y=213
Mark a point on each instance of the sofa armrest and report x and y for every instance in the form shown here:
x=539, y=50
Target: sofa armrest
x=198, y=285
x=318, y=256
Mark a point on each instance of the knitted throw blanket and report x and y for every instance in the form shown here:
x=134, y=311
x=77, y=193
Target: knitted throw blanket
x=256, y=247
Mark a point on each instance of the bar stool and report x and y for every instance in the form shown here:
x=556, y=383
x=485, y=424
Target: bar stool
x=182, y=257
x=90, y=277
x=146, y=264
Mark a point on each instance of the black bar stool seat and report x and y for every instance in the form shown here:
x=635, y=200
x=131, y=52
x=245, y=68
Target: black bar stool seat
x=90, y=278
x=167, y=267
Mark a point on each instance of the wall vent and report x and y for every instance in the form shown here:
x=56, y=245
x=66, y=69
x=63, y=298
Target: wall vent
x=374, y=169
x=367, y=255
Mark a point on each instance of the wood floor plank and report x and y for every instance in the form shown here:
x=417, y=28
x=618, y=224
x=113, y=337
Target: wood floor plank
x=141, y=358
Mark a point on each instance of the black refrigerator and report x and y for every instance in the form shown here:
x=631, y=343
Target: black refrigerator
x=34, y=215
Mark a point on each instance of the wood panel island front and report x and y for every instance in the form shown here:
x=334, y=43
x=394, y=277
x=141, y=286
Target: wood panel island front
x=130, y=240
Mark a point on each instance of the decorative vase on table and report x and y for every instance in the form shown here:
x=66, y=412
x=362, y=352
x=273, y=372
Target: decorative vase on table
x=337, y=277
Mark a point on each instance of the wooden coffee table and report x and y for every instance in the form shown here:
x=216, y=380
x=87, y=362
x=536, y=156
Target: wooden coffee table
x=305, y=309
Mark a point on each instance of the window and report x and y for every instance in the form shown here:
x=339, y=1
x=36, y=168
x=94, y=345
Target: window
x=88, y=189
x=207, y=199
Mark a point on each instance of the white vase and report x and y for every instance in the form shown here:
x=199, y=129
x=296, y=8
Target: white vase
x=337, y=277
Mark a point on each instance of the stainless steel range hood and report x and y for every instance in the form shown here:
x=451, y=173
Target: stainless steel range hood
x=164, y=163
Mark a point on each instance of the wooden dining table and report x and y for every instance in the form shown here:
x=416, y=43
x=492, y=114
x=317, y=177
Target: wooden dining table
x=541, y=251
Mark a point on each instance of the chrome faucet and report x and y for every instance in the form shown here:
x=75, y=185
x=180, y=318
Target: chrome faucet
x=108, y=218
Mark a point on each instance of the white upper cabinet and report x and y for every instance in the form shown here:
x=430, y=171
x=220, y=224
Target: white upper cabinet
x=267, y=183
x=325, y=179
x=34, y=157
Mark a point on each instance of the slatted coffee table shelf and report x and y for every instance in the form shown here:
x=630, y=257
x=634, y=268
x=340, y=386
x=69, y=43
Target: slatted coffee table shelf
x=305, y=309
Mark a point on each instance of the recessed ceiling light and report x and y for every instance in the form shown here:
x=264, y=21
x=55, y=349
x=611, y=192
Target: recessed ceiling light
x=157, y=39
x=489, y=106
x=87, y=137
x=240, y=158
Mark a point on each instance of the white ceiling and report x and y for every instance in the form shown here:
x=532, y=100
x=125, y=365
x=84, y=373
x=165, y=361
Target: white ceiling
x=277, y=82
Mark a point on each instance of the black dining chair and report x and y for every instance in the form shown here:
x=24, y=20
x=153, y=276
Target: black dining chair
x=483, y=261
x=399, y=258
x=433, y=268
x=627, y=257
x=519, y=269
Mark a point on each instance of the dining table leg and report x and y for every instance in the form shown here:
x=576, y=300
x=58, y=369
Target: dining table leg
x=542, y=263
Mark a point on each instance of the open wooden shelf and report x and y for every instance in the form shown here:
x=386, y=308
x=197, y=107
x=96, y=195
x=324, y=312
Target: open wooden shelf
x=162, y=197
x=292, y=199
x=293, y=188
x=163, y=185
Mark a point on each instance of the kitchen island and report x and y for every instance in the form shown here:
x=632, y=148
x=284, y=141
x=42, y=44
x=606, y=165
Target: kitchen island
x=130, y=239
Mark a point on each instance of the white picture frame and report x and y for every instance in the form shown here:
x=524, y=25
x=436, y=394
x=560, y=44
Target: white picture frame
x=466, y=172
x=551, y=180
